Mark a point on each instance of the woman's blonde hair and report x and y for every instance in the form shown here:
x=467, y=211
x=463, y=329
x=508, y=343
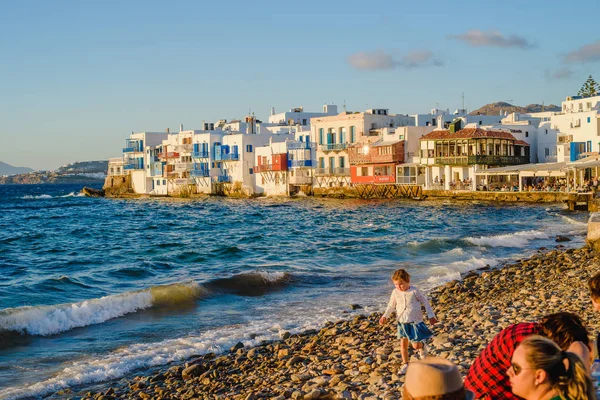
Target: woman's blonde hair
x=572, y=380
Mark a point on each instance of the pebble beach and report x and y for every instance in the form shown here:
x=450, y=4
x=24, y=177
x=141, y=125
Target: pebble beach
x=356, y=358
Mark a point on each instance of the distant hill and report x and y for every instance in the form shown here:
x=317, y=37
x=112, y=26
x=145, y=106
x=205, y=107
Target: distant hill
x=7, y=169
x=498, y=108
x=78, y=172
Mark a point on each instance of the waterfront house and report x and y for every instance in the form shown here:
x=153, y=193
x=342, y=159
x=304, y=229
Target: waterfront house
x=136, y=160
x=452, y=155
x=334, y=134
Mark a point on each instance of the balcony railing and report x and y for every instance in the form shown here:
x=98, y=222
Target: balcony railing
x=184, y=181
x=299, y=163
x=201, y=154
x=263, y=168
x=485, y=160
x=223, y=179
x=227, y=157
x=132, y=166
x=300, y=180
x=301, y=145
x=184, y=166
x=184, y=148
x=333, y=146
x=128, y=150
x=200, y=172
x=332, y=172
x=171, y=154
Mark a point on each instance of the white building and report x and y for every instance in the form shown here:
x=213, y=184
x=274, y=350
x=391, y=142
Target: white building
x=333, y=135
x=297, y=116
x=137, y=159
x=442, y=118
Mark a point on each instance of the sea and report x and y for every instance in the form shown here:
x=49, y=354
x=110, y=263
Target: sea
x=97, y=290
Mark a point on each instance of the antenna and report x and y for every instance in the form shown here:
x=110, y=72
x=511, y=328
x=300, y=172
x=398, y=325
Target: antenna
x=344, y=105
x=463, y=100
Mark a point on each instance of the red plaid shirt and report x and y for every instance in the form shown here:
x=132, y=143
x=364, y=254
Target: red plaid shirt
x=487, y=376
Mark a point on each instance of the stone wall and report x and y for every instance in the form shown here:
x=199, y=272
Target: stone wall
x=116, y=185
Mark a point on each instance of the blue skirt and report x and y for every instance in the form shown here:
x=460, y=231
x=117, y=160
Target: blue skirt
x=414, y=331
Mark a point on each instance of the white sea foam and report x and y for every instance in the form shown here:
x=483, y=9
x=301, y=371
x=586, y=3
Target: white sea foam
x=73, y=194
x=457, y=251
x=271, y=276
x=573, y=221
x=128, y=359
x=518, y=239
x=50, y=320
x=41, y=196
x=438, y=275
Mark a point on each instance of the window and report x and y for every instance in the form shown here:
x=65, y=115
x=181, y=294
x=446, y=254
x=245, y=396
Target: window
x=546, y=131
x=251, y=171
x=321, y=162
x=248, y=148
x=546, y=152
x=164, y=181
x=352, y=134
x=304, y=121
x=342, y=162
x=364, y=171
x=526, y=134
x=342, y=135
x=320, y=135
x=589, y=120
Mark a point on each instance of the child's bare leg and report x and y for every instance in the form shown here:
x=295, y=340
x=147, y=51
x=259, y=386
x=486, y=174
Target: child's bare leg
x=417, y=345
x=404, y=349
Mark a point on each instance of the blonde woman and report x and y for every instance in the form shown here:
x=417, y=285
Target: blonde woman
x=540, y=370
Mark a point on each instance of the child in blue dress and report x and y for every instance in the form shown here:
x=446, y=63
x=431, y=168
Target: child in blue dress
x=406, y=300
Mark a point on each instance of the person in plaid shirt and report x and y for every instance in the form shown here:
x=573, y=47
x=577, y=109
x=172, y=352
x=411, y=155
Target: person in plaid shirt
x=487, y=376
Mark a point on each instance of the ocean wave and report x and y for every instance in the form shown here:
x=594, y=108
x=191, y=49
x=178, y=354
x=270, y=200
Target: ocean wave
x=453, y=271
x=33, y=197
x=55, y=319
x=517, y=239
x=573, y=221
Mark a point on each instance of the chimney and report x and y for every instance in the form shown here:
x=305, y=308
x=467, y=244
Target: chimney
x=180, y=127
x=272, y=110
x=168, y=130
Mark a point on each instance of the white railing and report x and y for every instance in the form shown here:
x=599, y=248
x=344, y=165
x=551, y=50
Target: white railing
x=301, y=180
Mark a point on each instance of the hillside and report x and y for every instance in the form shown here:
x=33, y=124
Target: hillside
x=79, y=172
x=497, y=108
x=7, y=169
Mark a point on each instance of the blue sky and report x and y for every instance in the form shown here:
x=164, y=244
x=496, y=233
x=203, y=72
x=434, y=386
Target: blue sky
x=79, y=76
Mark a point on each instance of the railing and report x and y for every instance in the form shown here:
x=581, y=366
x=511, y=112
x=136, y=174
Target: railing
x=200, y=172
x=406, y=180
x=300, y=180
x=184, y=148
x=201, y=154
x=333, y=146
x=184, y=166
x=132, y=166
x=301, y=145
x=299, y=163
x=486, y=160
x=115, y=160
x=128, y=150
x=227, y=157
x=551, y=159
x=184, y=181
x=171, y=154
x=223, y=179
x=332, y=171
x=263, y=168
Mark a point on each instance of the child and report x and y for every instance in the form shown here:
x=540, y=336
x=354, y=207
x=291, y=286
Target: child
x=406, y=300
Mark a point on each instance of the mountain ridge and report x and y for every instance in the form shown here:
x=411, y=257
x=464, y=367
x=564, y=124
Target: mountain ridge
x=7, y=169
x=501, y=106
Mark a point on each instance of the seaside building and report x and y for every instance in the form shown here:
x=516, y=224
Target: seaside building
x=136, y=160
x=333, y=135
x=452, y=155
x=297, y=116
x=442, y=118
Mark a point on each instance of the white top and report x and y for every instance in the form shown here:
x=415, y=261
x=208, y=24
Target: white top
x=407, y=305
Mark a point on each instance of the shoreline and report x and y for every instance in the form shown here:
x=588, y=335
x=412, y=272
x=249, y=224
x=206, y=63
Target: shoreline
x=355, y=358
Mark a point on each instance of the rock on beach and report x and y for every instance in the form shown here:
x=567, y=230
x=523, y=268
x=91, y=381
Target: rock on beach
x=357, y=359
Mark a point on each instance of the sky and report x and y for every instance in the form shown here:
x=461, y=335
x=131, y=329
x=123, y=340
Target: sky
x=77, y=77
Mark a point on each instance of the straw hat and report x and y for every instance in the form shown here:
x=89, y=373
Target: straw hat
x=434, y=378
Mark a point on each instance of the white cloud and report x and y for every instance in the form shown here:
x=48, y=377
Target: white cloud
x=477, y=38
x=588, y=53
x=378, y=59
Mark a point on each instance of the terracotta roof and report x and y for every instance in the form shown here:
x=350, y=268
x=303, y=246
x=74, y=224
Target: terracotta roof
x=521, y=143
x=467, y=133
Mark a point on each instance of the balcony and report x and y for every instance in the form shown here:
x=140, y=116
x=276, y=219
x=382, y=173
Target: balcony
x=333, y=146
x=300, y=180
x=227, y=157
x=171, y=154
x=201, y=154
x=184, y=148
x=224, y=179
x=485, y=160
x=263, y=168
x=184, y=167
x=200, y=172
x=299, y=163
x=332, y=172
x=128, y=167
x=128, y=149
x=301, y=145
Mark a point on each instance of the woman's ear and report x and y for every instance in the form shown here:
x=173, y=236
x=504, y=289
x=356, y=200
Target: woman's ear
x=540, y=376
